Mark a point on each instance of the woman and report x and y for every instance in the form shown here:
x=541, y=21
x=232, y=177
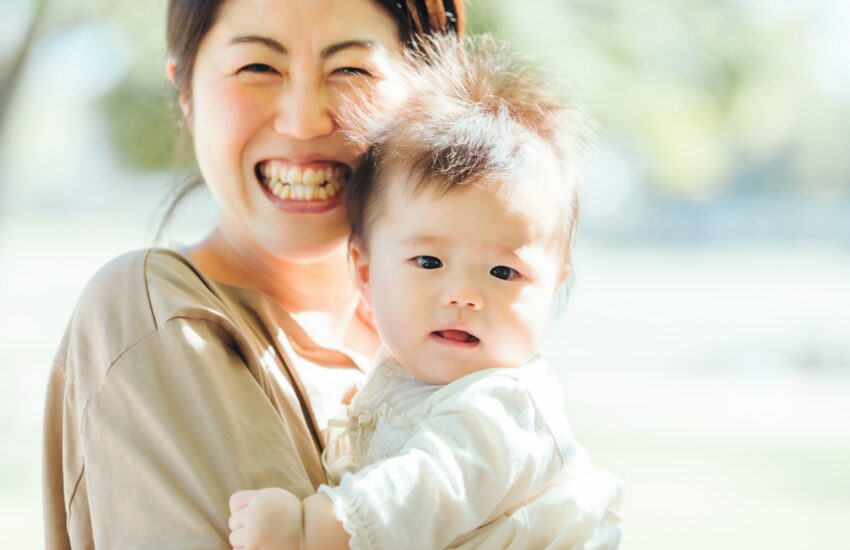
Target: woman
x=185, y=376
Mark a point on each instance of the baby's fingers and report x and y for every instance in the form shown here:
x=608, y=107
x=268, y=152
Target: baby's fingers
x=237, y=538
x=240, y=499
x=237, y=519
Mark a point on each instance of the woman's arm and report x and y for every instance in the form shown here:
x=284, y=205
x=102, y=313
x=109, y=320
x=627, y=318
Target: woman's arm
x=159, y=409
x=274, y=519
x=170, y=432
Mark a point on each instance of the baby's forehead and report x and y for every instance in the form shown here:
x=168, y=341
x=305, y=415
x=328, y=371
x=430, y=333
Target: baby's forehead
x=506, y=213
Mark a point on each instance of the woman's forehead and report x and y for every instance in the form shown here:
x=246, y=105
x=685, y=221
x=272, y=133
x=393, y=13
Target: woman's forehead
x=302, y=25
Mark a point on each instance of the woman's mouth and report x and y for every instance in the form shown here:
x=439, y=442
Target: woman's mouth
x=315, y=182
x=459, y=338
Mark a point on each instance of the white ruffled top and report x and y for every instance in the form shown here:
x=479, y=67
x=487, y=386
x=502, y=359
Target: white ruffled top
x=417, y=466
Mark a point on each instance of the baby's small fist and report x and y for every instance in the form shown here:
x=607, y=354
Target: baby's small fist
x=264, y=519
x=240, y=499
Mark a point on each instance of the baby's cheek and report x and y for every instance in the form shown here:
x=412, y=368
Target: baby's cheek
x=522, y=330
x=389, y=315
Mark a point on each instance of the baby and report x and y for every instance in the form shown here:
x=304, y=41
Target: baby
x=462, y=219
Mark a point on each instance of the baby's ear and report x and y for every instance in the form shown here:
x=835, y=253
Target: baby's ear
x=359, y=262
x=565, y=273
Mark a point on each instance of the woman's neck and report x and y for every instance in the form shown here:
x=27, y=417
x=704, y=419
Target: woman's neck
x=322, y=286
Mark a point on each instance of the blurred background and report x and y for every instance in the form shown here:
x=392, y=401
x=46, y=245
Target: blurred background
x=705, y=347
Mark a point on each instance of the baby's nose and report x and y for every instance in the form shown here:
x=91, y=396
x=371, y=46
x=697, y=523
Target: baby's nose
x=463, y=298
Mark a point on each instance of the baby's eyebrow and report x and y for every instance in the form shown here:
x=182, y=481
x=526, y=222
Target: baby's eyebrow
x=423, y=238
x=418, y=239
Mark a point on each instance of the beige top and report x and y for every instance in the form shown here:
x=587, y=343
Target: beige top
x=162, y=401
x=170, y=391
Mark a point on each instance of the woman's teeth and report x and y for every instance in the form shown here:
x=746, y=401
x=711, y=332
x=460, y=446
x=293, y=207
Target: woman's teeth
x=293, y=183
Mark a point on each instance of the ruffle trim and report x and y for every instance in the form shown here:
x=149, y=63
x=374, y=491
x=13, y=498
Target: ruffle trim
x=348, y=514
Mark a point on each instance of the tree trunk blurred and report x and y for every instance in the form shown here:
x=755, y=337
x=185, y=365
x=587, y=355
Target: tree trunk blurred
x=11, y=74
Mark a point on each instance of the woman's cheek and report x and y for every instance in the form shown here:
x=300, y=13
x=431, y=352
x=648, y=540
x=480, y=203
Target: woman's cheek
x=240, y=111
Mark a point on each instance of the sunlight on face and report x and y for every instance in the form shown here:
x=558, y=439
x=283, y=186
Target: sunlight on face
x=268, y=79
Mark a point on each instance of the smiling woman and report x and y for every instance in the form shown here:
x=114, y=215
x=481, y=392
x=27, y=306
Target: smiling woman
x=185, y=375
x=261, y=109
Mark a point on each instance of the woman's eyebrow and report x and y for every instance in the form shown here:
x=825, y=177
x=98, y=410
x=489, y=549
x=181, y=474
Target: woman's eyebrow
x=328, y=51
x=270, y=43
x=356, y=44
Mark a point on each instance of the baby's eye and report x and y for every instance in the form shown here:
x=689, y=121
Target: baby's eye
x=505, y=272
x=428, y=262
x=259, y=68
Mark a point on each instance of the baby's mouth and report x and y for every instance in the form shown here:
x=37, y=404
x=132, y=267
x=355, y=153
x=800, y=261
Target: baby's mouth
x=456, y=337
x=316, y=182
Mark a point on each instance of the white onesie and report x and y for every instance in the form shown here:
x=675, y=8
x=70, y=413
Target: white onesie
x=421, y=466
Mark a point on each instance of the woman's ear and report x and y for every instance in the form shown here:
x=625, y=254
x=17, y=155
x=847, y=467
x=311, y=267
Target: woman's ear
x=359, y=261
x=171, y=73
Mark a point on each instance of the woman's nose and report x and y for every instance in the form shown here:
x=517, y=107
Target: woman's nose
x=304, y=113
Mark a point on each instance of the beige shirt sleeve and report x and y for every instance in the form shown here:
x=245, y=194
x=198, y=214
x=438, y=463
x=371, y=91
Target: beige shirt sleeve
x=145, y=442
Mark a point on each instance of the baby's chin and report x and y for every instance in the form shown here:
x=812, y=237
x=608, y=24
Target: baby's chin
x=446, y=371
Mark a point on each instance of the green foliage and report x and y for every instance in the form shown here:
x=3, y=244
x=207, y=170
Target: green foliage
x=707, y=96
x=143, y=124
x=711, y=96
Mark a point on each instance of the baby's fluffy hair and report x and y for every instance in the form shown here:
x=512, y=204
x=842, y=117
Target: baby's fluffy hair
x=476, y=114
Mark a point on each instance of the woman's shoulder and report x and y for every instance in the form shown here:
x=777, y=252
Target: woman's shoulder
x=134, y=294
x=128, y=300
x=149, y=285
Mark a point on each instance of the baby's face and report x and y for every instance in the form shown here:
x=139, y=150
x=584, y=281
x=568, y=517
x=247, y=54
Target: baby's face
x=464, y=281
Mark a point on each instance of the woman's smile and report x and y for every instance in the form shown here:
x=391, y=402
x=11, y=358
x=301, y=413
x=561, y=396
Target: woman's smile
x=309, y=188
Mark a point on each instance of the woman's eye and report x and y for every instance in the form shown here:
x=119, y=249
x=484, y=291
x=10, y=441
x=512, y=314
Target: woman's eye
x=428, y=262
x=259, y=68
x=353, y=71
x=504, y=272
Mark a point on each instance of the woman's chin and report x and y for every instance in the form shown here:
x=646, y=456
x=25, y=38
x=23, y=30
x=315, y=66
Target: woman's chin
x=290, y=246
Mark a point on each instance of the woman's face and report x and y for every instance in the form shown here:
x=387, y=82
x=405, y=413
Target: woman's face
x=268, y=78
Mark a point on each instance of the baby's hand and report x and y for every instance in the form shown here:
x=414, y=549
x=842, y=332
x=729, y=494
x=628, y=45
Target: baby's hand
x=268, y=519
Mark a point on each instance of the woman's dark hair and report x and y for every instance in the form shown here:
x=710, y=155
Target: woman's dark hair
x=188, y=21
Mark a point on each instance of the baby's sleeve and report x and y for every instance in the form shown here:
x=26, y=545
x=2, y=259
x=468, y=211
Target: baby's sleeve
x=480, y=452
x=579, y=510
